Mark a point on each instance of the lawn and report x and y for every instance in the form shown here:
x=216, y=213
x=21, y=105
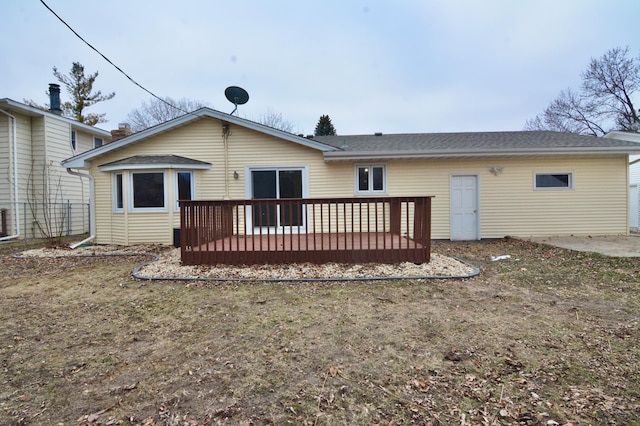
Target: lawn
x=546, y=337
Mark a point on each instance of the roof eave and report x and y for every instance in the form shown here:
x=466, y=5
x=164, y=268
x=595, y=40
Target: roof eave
x=32, y=111
x=433, y=154
x=154, y=167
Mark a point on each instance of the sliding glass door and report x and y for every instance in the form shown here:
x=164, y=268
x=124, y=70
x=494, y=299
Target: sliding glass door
x=277, y=183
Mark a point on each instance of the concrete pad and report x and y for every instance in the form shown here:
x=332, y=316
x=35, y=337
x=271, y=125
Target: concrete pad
x=610, y=245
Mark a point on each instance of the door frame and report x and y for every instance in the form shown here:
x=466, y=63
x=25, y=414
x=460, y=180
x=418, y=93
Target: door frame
x=477, y=209
x=248, y=188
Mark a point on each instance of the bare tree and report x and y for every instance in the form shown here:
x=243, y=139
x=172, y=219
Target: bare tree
x=46, y=203
x=604, y=102
x=275, y=120
x=157, y=111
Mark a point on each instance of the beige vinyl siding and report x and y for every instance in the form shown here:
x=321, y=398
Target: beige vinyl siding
x=201, y=140
x=596, y=205
x=509, y=204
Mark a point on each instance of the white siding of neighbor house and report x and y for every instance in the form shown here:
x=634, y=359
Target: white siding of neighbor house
x=43, y=142
x=6, y=163
x=597, y=204
x=634, y=170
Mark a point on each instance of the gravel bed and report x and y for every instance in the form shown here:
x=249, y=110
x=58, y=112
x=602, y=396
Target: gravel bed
x=167, y=265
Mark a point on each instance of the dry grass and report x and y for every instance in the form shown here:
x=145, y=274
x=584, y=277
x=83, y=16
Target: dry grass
x=547, y=337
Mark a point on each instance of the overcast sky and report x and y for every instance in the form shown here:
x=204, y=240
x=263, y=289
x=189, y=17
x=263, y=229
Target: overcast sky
x=372, y=66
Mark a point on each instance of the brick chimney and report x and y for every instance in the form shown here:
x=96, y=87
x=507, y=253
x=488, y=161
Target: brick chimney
x=54, y=99
x=123, y=131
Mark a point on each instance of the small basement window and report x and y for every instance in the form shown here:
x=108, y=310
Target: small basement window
x=553, y=181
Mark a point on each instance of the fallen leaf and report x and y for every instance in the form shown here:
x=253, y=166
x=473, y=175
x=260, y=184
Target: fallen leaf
x=333, y=371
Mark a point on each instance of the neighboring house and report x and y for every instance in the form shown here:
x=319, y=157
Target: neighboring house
x=34, y=187
x=634, y=177
x=486, y=185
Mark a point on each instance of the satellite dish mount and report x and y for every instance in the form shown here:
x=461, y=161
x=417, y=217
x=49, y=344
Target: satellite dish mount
x=237, y=96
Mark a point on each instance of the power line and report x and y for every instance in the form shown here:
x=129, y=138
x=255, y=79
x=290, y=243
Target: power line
x=109, y=61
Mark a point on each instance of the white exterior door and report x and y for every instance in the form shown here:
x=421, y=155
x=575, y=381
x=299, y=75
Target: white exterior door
x=464, y=208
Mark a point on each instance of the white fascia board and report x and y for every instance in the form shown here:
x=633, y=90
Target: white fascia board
x=391, y=155
x=625, y=136
x=154, y=166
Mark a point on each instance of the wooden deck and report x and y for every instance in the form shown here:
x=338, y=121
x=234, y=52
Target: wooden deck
x=313, y=248
x=342, y=230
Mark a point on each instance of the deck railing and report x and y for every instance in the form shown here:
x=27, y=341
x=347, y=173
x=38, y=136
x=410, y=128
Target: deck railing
x=294, y=230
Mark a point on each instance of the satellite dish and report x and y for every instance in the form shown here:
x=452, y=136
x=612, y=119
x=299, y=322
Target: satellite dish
x=237, y=96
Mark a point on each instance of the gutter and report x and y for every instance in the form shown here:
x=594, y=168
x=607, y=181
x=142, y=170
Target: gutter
x=402, y=155
x=15, y=179
x=92, y=208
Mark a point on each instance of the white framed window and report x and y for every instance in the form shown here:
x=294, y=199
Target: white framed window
x=184, y=185
x=118, y=193
x=371, y=179
x=561, y=180
x=147, y=191
x=74, y=142
x=97, y=142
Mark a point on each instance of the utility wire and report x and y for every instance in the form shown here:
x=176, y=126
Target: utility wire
x=109, y=61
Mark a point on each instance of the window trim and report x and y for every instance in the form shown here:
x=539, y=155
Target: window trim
x=553, y=188
x=176, y=191
x=117, y=209
x=165, y=191
x=370, y=191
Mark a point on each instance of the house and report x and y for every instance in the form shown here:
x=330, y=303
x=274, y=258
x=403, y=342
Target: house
x=485, y=185
x=36, y=192
x=634, y=177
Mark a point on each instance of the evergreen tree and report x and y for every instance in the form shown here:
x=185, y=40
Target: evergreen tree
x=325, y=127
x=80, y=87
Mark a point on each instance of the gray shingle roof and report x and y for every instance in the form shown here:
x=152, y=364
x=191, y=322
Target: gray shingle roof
x=152, y=160
x=468, y=141
x=471, y=144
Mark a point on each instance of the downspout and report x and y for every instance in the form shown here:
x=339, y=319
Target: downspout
x=225, y=136
x=92, y=208
x=15, y=180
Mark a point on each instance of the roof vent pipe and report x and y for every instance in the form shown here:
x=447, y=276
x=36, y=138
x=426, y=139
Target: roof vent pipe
x=378, y=133
x=54, y=99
